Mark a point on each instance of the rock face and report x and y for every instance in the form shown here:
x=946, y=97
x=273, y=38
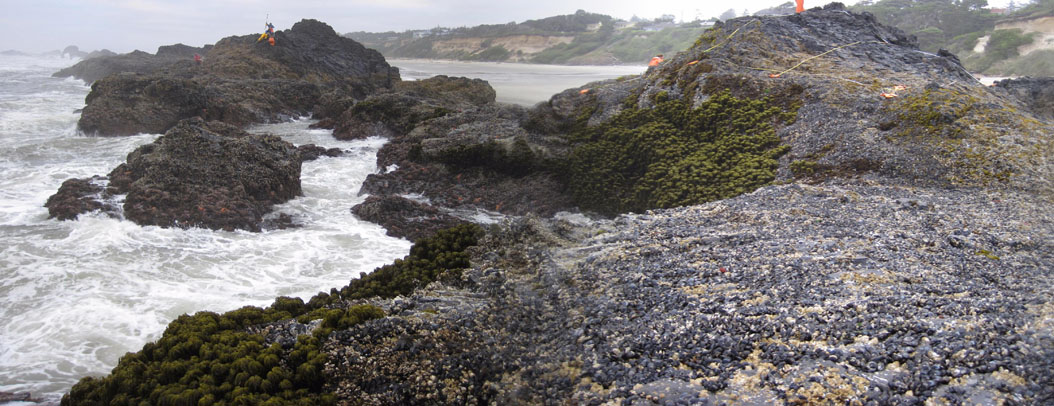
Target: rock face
x=240, y=81
x=904, y=266
x=198, y=174
x=866, y=103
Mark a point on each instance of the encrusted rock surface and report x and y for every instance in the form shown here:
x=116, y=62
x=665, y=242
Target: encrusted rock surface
x=836, y=293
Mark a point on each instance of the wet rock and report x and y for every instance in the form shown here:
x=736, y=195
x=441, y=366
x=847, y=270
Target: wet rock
x=208, y=175
x=403, y=217
x=74, y=197
x=130, y=103
x=311, y=152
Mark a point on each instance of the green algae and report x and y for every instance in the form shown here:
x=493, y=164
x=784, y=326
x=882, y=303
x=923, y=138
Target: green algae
x=675, y=155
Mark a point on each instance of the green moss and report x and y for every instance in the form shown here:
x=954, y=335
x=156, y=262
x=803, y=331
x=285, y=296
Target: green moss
x=802, y=168
x=212, y=359
x=674, y=155
x=934, y=112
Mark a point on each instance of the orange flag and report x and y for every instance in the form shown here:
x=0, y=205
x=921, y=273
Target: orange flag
x=801, y=5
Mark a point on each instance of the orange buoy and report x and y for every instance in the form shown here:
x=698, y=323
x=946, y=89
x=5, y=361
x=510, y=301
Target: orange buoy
x=270, y=41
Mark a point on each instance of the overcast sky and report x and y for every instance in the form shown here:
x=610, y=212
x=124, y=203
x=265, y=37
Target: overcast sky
x=125, y=25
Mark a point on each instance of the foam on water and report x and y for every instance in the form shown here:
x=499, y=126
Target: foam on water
x=76, y=295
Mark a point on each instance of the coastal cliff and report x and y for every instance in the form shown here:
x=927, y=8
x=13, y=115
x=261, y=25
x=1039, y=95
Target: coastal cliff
x=796, y=210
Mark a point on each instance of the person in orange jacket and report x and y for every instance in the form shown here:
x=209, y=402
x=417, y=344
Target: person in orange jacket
x=801, y=5
x=655, y=61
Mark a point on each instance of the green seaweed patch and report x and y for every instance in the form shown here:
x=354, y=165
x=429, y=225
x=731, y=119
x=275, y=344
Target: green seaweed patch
x=935, y=112
x=987, y=254
x=441, y=256
x=675, y=155
x=804, y=168
x=786, y=95
x=212, y=359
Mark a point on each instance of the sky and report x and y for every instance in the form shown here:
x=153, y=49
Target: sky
x=125, y=25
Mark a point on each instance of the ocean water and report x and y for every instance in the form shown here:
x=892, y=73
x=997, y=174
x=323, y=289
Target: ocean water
x=515, y=83
x=77, y=295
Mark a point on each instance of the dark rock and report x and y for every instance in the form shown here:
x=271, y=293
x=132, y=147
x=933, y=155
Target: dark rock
x=130, y=103
x=1035, y=93
x=241, y=81
x=100, y=64
x=394, y=114
x=75, y=196
x=311, y=152
x=403, y=217
x=201, y=174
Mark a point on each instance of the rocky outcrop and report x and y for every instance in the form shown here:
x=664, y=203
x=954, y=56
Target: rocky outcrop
x=394, y=113
x=837, y=291
x=450, y=143
x=240, y=81
x=198, y=174
x=864, y=102
x=130, y=103
x=100, y=64
x=1037, y=94
x=78, y=196
x=403, y=217
x=868, y=102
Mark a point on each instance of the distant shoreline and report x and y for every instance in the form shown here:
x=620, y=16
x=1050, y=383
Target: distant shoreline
x=516, y=83
x=452, y=61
